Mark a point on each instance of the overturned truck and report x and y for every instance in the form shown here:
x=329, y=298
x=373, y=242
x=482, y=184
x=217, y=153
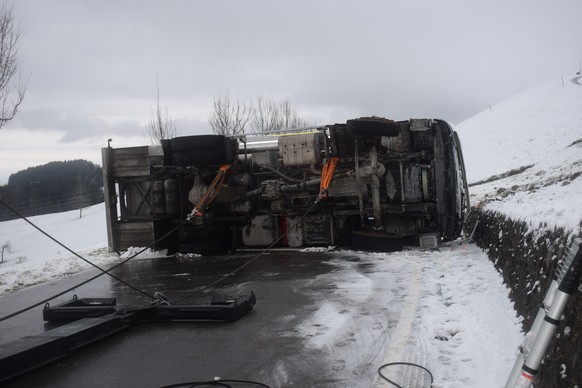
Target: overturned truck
x=371, y=183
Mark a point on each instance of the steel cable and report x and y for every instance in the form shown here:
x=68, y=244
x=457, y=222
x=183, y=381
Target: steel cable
x=103, y=271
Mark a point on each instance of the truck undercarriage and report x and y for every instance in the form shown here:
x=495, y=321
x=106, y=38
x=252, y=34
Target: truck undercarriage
x=371, y=183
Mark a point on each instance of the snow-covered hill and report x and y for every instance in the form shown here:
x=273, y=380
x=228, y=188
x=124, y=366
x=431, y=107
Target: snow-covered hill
x=525, y=156
x=528, y=128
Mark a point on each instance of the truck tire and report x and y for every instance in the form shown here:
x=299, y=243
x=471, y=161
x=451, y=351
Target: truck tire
x=188, y=143
x=376, y=242
x=373, y=126
x=205, y=240
x=202, y=232
x=202, y=150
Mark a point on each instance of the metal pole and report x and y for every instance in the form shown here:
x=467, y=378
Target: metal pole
x=110, y=198
x=531, y=335
x=566, y=282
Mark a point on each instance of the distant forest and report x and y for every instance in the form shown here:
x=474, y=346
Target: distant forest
x=52, y=188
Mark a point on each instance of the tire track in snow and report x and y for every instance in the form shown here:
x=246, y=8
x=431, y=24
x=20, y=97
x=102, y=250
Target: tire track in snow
x=404, y=345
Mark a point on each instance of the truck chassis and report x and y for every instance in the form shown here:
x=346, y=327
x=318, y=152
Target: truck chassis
x=371, y=183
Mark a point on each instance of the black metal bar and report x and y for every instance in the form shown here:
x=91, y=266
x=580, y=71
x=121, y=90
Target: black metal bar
x=97, y=318
x=228, y=309
x=78, y=309
x=28, y=353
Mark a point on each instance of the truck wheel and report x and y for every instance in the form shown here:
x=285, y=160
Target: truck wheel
x=188, y=143
x=206, y=240
x=202, y=150
x=373, y=126
x=377, y=242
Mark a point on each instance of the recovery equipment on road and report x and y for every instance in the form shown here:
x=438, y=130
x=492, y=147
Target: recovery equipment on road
x=92, y=319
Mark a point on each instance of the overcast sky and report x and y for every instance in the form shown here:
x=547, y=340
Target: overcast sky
x=92, y=65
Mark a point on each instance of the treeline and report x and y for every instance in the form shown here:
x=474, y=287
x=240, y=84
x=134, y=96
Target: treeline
x=230, y=116
x=52, y=188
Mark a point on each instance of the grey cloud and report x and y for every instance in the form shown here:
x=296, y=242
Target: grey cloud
x=74, y=127
x=447, y=59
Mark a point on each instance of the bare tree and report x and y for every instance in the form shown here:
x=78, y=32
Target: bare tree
x=11, y=96
x=266, y=115
x=229, y=117
x=290, y=118
x=271, y=116
x=161, y=126
x=80, y=198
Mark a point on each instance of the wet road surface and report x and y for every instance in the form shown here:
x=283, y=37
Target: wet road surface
x=287, y=340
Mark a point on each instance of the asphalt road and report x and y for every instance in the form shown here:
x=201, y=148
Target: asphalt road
x=286, y=341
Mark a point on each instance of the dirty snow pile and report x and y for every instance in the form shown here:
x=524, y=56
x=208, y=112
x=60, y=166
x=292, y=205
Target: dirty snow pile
x=525, y=156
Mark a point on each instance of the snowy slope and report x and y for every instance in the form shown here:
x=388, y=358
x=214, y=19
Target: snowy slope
x=540, y=132
x=531, y=127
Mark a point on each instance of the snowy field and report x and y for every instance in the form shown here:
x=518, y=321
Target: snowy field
x=453, y=311
x=33, y=258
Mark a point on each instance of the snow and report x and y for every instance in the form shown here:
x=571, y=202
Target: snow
x=531, y=127
x=446, y=309
x=454, y=313
x=473, y=328
x=541, y=129
x=33, y=258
